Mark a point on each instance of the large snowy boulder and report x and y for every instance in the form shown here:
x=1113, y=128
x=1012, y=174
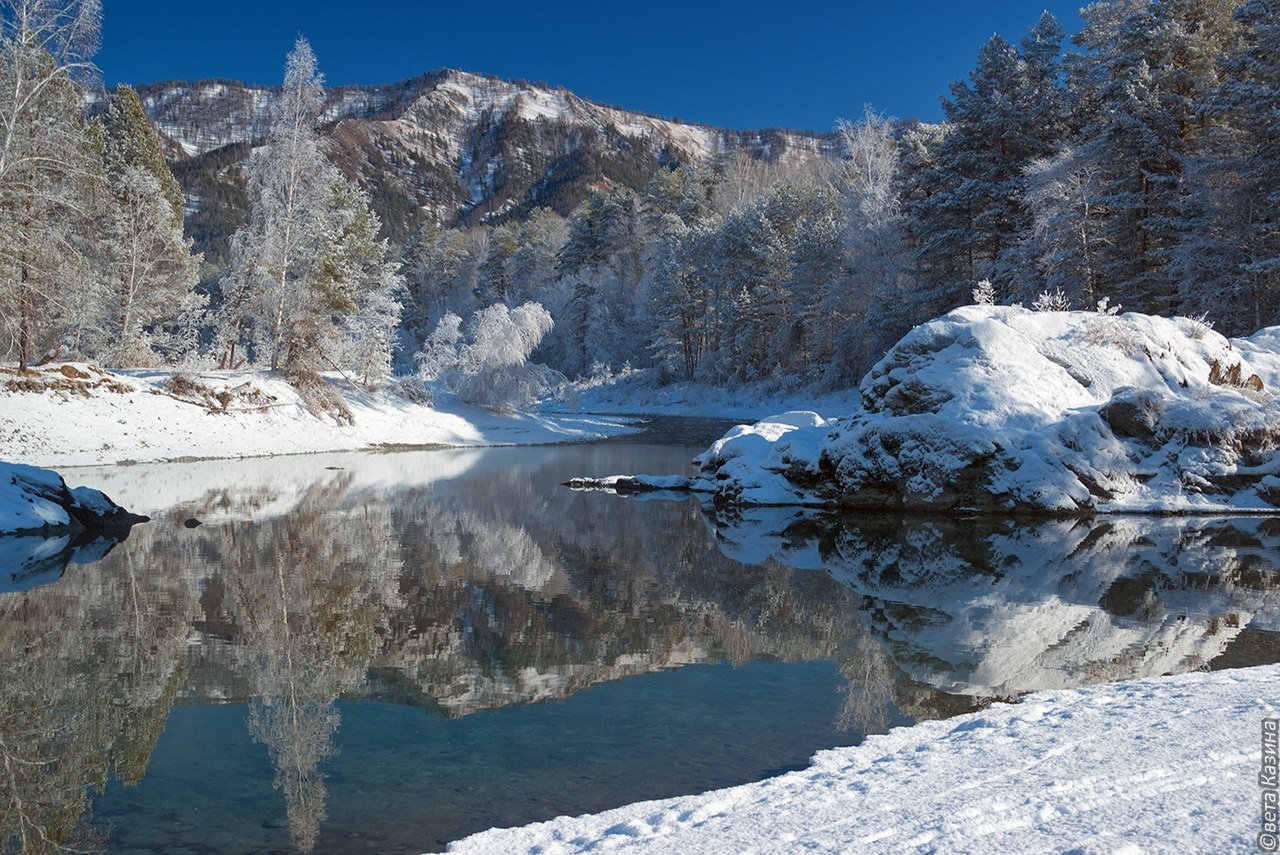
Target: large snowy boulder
x=1005, y=409
x=34, y=500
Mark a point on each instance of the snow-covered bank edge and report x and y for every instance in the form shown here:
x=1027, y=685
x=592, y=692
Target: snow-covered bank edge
x=1148, y=765
x=78, y=415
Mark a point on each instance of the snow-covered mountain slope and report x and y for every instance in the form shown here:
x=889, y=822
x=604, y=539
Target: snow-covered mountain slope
x=1003, y=409
x=450, y=144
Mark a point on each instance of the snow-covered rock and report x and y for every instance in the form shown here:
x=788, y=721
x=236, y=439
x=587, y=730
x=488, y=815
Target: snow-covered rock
x=34, y=500
x=1008, y=410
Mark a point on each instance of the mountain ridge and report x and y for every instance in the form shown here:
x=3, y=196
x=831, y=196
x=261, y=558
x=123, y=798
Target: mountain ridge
x=451, y=146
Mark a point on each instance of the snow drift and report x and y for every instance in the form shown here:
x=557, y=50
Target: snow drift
x=1003, y=409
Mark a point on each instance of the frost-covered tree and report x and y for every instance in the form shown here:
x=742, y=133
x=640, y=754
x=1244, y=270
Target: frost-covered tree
x=866, y=310
x=271, y=285
x=487, y=362
x=359, y=285
x=1060, y=252
x=680, y=296
x=1227, y=263
x=602, y=261
x=152, y=275
x=533, y=264
x=495, y=271
x=46, y=165
x=129, y=140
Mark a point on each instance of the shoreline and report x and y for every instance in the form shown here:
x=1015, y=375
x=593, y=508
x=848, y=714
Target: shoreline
x=1044, y=764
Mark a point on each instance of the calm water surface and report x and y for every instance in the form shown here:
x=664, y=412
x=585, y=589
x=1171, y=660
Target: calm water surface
x=384, y=652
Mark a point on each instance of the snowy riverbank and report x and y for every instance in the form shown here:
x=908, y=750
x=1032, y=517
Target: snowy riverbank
x=76, y=415
x=1153, y=765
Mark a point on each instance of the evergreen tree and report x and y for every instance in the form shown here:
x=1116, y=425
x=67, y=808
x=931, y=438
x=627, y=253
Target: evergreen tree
x=359, y=286
x=971, y=216
x=150, y=272
x=1228, y=260
x=130, y=141
x=1149, y=65
x=495, y=271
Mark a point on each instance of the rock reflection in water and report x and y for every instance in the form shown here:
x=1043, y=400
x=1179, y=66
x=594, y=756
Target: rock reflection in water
x=996, y=608
x=469, y=581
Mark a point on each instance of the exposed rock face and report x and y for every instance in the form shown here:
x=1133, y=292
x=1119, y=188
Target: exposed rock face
x=38, y=501
x=448, y=146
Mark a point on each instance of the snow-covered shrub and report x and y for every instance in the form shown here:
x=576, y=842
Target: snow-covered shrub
x=1198, y=325
x=1104, y=307
x=413, y=390
x=985, y=293
x=487, y=362
x=1052, y=301
x=441, y=352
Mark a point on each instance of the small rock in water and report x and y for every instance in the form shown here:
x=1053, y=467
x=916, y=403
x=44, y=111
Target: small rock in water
x=192, y=522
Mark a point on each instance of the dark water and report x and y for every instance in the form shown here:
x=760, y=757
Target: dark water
x=381, y=653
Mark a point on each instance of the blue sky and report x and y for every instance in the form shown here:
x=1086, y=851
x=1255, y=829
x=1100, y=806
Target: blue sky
x=787, y=63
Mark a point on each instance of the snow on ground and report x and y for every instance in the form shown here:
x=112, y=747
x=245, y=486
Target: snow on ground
x=1005, y=409
x=1163, y=765
x=77, y=415
x=634, y=392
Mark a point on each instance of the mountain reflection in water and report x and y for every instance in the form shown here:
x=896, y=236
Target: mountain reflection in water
x=467, y=581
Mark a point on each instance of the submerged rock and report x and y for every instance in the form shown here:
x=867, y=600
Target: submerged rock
x=38, y=501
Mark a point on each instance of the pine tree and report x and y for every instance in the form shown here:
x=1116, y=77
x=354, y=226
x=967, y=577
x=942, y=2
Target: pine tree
x=1149, y=65
x=150, y=273
x=1228, y=259
x=358, y=285
x=130, y=141
x=971, y=215
x=495, y=271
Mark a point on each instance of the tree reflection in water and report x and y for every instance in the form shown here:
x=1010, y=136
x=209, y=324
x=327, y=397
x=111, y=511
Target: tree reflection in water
x=496, y=588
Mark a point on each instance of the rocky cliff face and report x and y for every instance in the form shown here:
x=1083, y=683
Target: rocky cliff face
x=449, y=145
